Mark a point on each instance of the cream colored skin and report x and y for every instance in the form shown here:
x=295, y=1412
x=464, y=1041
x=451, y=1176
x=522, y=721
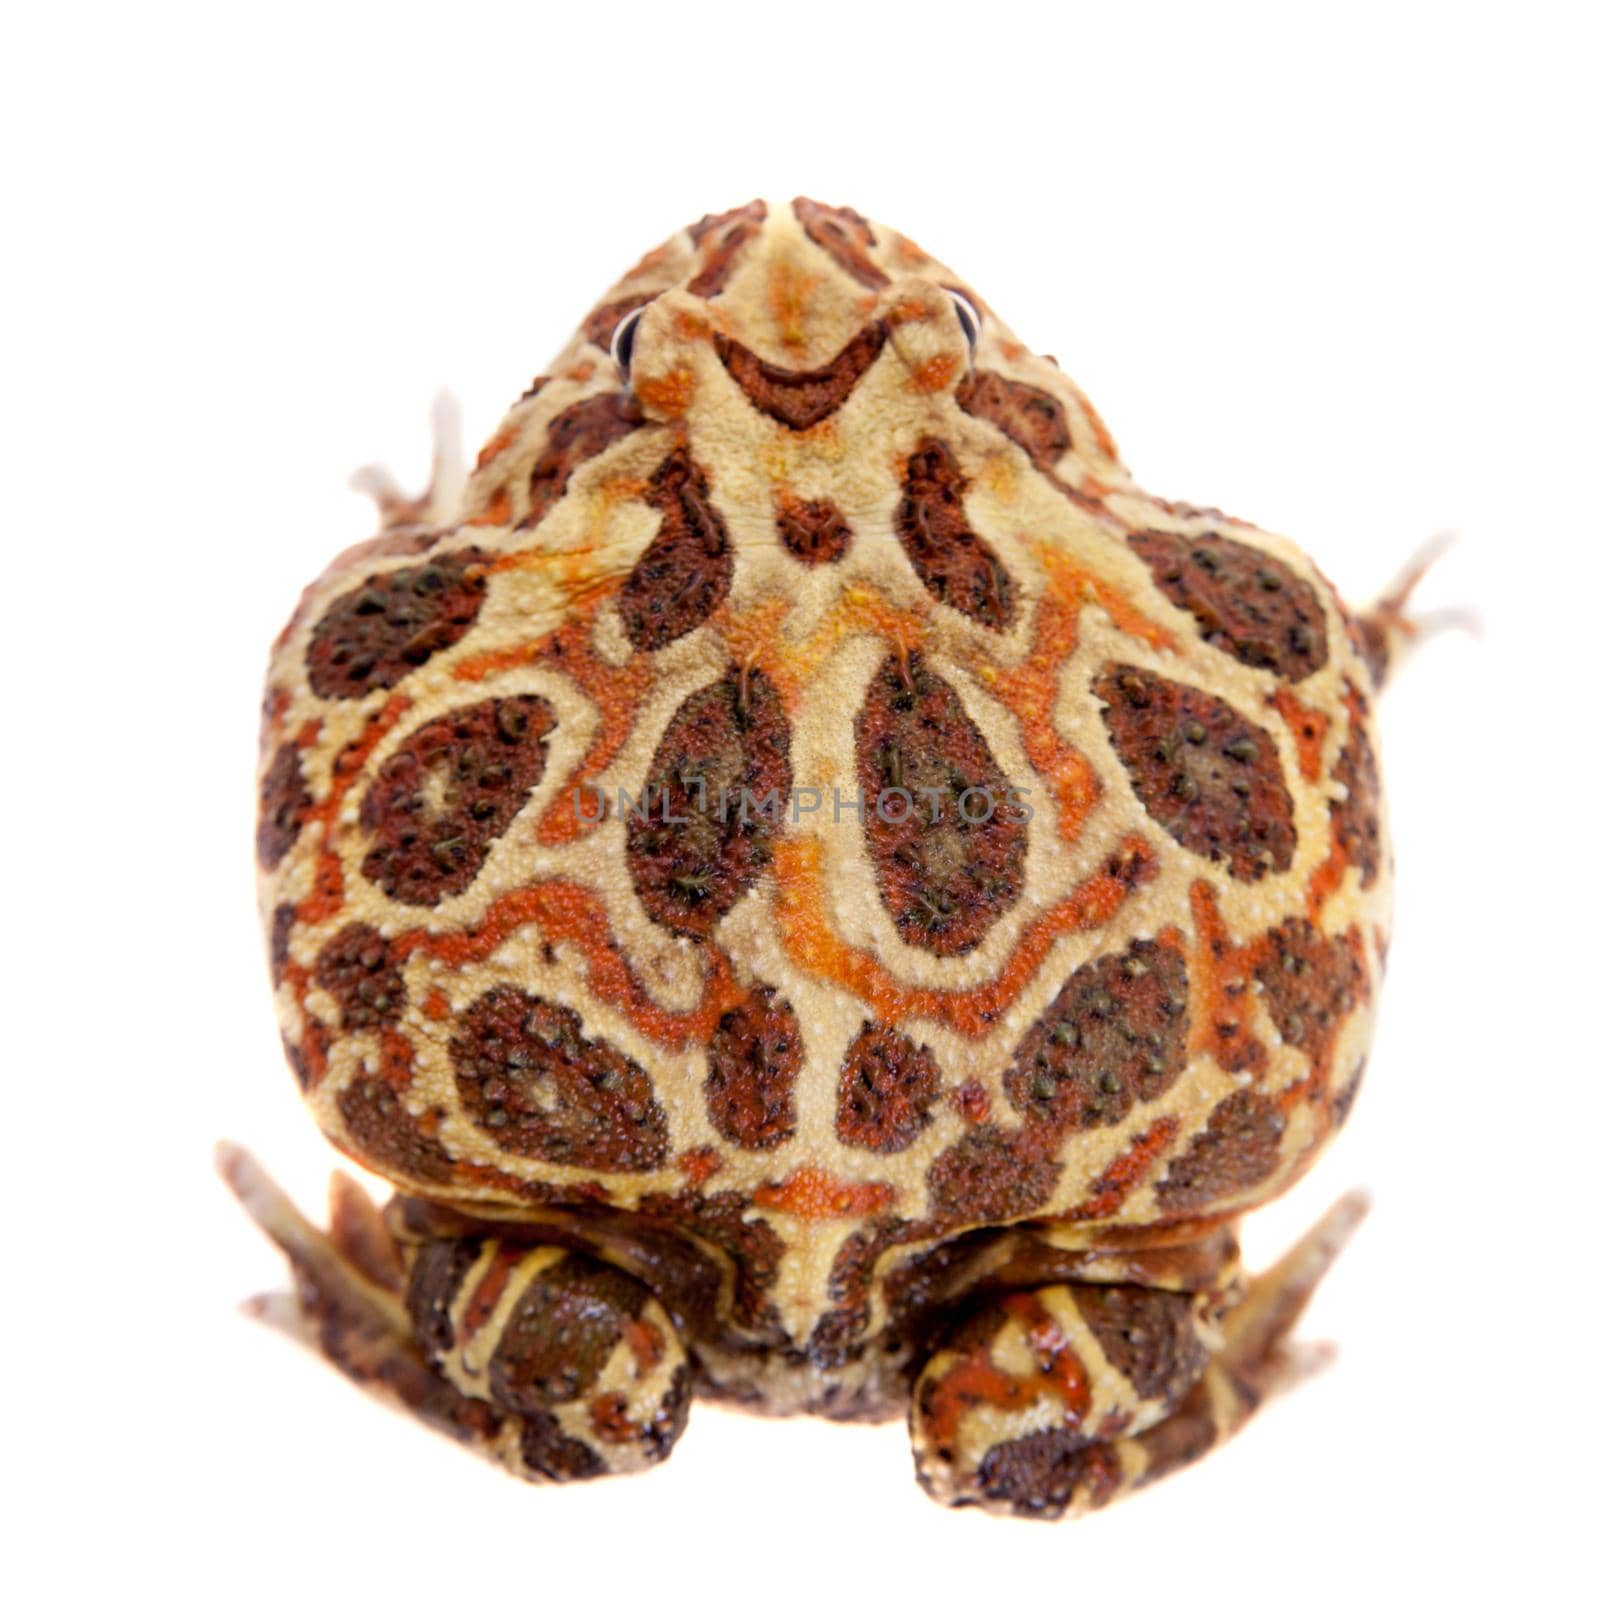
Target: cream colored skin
x=813, y=925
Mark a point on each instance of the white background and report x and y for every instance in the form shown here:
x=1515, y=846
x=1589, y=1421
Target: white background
x=1333, y=269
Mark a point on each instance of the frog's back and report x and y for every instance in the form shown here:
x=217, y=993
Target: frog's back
x=813, y=796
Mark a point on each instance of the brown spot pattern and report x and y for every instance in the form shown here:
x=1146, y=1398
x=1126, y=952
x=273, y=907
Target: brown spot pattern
x=357, y=966
x=1310, y=984
x=1113, y=1037
x=702, y=831
x=801, y=399
x=730, y=232
x=752, y=1062
x=438, y=1270
x=887, y=1090
x=1148, y=1335
x=440, y=801
x=1357, y=819
x=944, y=831
x=561, y=1333
x=390, y=625
x=813, y=531
x=284, y=918
x=531, y=1080
x=1036, y=1475
x=1209, y=777
x=577, y=435
x=992, y=1175
x=752, y=1247
x=1248, y=603
x=549, y=1452
x=685, y=572
x=285, y=801
x=1033, y=420
x=1237, y=1148
x=956, y=565
x=846, y=235
x=385, y=1133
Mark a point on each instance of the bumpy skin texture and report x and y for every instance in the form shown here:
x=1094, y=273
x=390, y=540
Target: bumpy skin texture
x=791, y=1071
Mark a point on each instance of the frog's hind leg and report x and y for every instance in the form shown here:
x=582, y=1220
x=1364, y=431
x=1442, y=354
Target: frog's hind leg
x=440, y=503
x=1388, y=630
x=554, y=1365
x=1056, y=1401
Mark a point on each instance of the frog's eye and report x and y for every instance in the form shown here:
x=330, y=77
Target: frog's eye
x=967, y=316
x=622, y=341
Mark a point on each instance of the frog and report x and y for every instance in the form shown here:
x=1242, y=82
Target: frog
x=819, y=894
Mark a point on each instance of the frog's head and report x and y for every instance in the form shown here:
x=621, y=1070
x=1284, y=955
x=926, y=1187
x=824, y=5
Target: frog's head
x=792, y=304
x=799, y=354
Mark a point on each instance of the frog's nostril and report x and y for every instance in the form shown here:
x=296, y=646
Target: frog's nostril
x=622, y=341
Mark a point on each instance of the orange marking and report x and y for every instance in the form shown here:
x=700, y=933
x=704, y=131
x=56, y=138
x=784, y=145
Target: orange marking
x=646, y=1344
x=974, y=1380
x=1219, y=987
x=810, y=941
x=1011, y=350
x=700, y=1165
x=1331, y=870
x=913, y=255
x=788, y=293
x=817, y=1195
x=490, y=1287
x=1309, y=727
x=670, y=394
x=496, y=511
x=934, y=374
x=1124, y=1173
x=501, y=442
x=435, y=1006
x=570, y=913
x=327, y=895
x=609, y=1419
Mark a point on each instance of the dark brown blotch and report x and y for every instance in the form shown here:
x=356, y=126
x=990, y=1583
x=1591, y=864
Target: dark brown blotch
x=285, y=803
x=576, y=436
x=992, y=1175
x=888, y=1086
x=371, y=637
x=1211, y=778
x=687, y=569
x=846, y=235
x=358, y=967
x=944, y=830
x=1310, y=984
x=956, y=565
x=728, y=232
x=1112, y=1038
x=1246, y=602
x=1148, y=1335
x=800, y=398
x=752, y=1062
x=384, y=1133
x=442, y=799
x=813, y=531
x=1237, y=1149
x=701, y=833
x=527, y=1074
x=1358, y=818
x=1032, y=419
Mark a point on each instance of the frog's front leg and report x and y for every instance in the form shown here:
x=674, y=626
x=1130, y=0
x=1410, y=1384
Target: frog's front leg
x=555, y=1365
x=1054, y=1401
